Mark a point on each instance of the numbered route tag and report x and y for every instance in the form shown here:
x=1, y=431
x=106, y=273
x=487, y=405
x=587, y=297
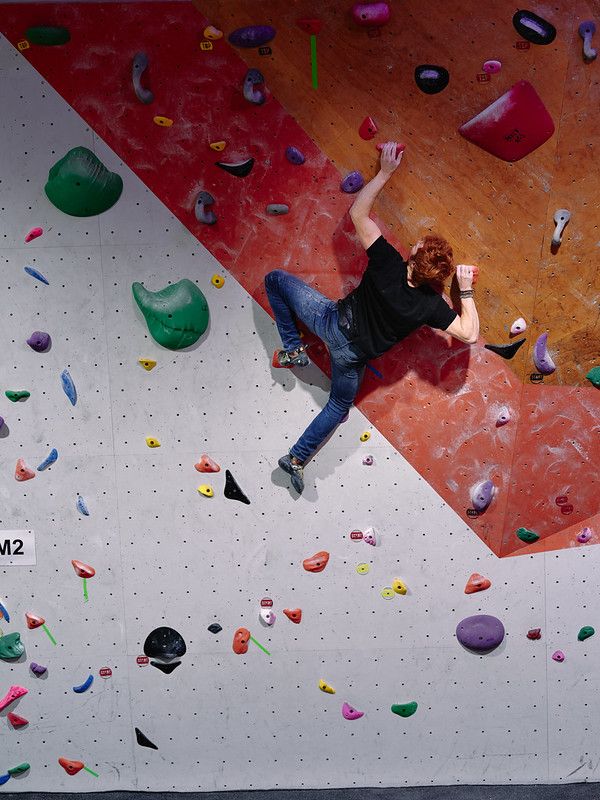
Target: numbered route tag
x=17, y=548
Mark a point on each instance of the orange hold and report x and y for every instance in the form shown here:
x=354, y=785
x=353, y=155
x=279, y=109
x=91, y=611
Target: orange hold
x=206, y=464
x=23, y=472
x=33, y=621
x=316, y=563
x=295, y=614
x=240, y=641
x=83, y=570
x=71, y=767
x=477, y=583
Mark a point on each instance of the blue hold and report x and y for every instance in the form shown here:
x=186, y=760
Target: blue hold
x=84, y=686
x=35, y=274
x=50, y=459
x=4, y=778
x=4, y=612
x=69, y=386
x=81, y=506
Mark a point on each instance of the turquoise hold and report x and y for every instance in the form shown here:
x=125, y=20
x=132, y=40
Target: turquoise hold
x=11, y=646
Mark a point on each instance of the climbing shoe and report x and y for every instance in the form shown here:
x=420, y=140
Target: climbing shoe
x=287, y=360
x=296, y=471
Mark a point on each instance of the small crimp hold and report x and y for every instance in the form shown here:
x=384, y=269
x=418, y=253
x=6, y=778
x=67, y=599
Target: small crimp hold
x=147, y=363
x=23, y=472
x=206, y=490
x=585, y=535
x=33, y=620
x=525, y=535
x=492, y=67
x=325, y=687
x=15, y=396
x=33, y=234
x=218, y=281
x=431, y=78
x=38, y=669
x=534, y=634
x=215, y=628
x=294, y=156
x=518, y=326
x=364, y=437
x=212, y=33
x=399, y=586
x=503, y=416
x=254, y=87
x=84, y=686
x=71, y=767
x=37, y=275
x=49, y=460
x=82, y=506
x=68, y=386
x=267, y=616
x=206, y=464
x=277, y=209
x=203, y=212
x=561, y=218
x=83, y=570
x=152, y=441
x=368, y=461
x=368, y=129
x=163, y=122
x=293, y=614
x=371, y=15
x=370, y=536
x=477, y=583
x=559, y=656
x=218, y=146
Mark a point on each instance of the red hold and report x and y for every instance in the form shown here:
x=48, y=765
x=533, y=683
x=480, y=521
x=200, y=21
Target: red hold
x=371, y=15
x=316, y=563
x=477, y=583
x=33, y=234
x=294, y=614
x=367, y=129
x=310, y=25
x=16, y=721
x=240, y=641
x=206, y=464
x=13, y=694
x=400, y=147
x=71, y=767
x=33, y=621
x=83, y=570
x=534, y=633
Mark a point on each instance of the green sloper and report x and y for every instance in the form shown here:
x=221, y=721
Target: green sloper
x=177, y=315
x=593, y=377
x=80, y=185
x=47, y=35
x=404, y=709
x=525, y=535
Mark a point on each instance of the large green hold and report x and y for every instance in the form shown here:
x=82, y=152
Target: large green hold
x=47, y=34
x=19, y=769
x=80, y=185
x=405, y=709
x=585, y=633
x=593, y=377
x=177, y=315
x=525, y=535
x=11, y=646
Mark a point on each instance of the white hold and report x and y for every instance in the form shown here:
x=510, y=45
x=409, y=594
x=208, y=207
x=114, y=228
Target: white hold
x=503, y=416
x=518, y=326
x=370, y=536
x=267, y=616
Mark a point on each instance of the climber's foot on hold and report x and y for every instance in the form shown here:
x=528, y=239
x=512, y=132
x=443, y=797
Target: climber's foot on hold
x=290, y=358
x=294, y=468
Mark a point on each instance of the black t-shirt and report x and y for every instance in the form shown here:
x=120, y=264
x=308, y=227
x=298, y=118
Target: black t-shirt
x=384, y=308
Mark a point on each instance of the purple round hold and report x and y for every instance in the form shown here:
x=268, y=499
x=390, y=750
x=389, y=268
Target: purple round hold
x=294, y=156
x=39, y=341
x=481, y=633
x=252, y=36
x=353, y=182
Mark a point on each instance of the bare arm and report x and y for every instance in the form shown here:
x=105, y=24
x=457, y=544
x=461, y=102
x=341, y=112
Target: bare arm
x=367, y=230
x=466, y=326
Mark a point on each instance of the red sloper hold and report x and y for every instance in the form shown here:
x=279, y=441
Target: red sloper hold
x=240, y=641
x=316, y=563
x=368, y=129
x=310, y=25
x=295, y=614
x=16, y=721
x=83, y=570
x=477, y=583
x=71, y=767
x=33, y=620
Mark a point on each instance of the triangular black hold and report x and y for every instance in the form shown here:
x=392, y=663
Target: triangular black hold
x=215, y=628
x=144, y=741
x=240, y=169
x=533, y=28
x=431, y=78
x=232, y=490
x=166, y=668
x=506, y=350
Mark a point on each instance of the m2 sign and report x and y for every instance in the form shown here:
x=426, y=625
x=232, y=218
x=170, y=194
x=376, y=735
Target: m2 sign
x=17, y=548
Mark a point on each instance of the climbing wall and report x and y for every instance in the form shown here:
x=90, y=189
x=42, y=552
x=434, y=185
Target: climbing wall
x=166, y=555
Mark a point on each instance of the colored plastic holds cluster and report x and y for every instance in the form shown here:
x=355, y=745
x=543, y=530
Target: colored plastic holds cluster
x=492, y=67
x=34, y=233
x=68, y=386
x=586, y=30
x=482, y=494
x=362, y=569
x=206, y=490
x=294, y=156
x=39, y=341
x=371, y=15
x=23, y=472
x=203, y=212
x=561, y=218
x=11, y=646
x=559, y=656
x=138, y=67
x=34, y=272
x=83, y=570
x=19, y=769
x=477, y=583
x=367, y=129
x=585, y=633
x=399, y=586
x=593, y=377
x=83, y=687
x=364, y=437
x=215, y=628
x=503, y=416
x=277, y=209
x=240, y=168
x=49, y=460
x=218, y=146
x=176, y=316
x=251, y=36
x=506, y=351
x=165, y=643
x=481, y=633
x=232, y=491
x=38, y=669
x=33, y=620
x=13, y=694
x=348, y=712
x=48, y=35
x=14, y=397
x=316, y=563
x=585, y=535
x=368, y=461
x=293, y=614
x=267, y=616
x=152, y=441
x=353, y=182
x=240, y=641
x=534, y=634
x=405, y=709
x=325, y=687
x=143, y=740
x=80, y=185
x=206, y=464
x=71, y=767
x=541, y=356
x=212, y=33
x=533, y=28
x=16, y=721
x=147, y=363
x=254, y=87
x=431, y=78
x=163, y=122
x=525, y=535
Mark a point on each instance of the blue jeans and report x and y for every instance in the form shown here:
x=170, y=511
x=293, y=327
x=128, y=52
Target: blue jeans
x=290, y=297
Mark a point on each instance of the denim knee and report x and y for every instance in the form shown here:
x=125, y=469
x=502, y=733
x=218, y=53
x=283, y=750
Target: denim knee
x=271, y=278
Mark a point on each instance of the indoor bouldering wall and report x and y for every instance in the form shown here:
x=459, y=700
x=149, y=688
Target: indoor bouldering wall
x=120, y=498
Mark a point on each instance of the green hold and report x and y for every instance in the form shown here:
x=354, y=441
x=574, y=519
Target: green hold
x=526, y=535
x=585, y=633
x=11, y=646
x=593, y=377
x=16, y=396
x=177, y=315
x=405, y=709
x=80, y=185
x=20, y=769
x=47, y=34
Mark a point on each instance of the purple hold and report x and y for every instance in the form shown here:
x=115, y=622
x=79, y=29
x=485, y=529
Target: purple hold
x=254, y=78
x=481, y=495
x=1, y=423
x=353, y=182
x=39, y=341
x=584, y=536
x=252, y=36
x=294, y=156
x=37, y=669
x=541, y=356
x=481, y=633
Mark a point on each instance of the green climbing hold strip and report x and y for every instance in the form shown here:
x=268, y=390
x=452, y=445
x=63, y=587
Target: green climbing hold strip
x=16, y=396
x=80, y=185
x=177, y=315
x=405, y=709
x=593, y=377
x=20, y=769
x=47, y=35
x=526, y=535
x=585, y=633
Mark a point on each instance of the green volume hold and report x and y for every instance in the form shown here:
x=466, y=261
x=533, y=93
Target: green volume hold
x=47, y=35
x=404, y=709
x=177, y=315
x=80, y=185
x=526, y=535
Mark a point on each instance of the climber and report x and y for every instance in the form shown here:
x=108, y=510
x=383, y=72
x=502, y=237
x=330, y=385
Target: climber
x=393, y=298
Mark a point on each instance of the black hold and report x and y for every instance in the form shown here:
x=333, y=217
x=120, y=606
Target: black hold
x=506, y=350
x=240, y=169
x=164, y=643
x=431, y=78
x=215, y=628
x=232, y=490
x=533, y=28
x=166, y=668
x=144, y=741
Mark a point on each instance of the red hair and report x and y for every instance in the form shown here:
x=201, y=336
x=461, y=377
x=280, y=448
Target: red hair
x=432, y=263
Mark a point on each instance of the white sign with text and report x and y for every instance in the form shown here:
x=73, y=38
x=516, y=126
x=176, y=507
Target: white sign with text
x=17, y=548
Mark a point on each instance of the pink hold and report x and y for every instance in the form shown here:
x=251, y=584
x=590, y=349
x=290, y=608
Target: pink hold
x=370, y=537
x=351, y=713
x=13, y=694
x=33, y=234
x=492, y=67
x=368, y=461
x=585, y=535
x=503, y=416
x=371, y=15
x=558, y=656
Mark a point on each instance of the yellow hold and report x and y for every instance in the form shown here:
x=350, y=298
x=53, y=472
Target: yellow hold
x=325, y=687
x=147, y=363
x=212, y=33
x=399, y=586
x=164, y=121
x=206, y=490
x=151, y=441
x=218, y=146
x=364, y=437
x=217, y=281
